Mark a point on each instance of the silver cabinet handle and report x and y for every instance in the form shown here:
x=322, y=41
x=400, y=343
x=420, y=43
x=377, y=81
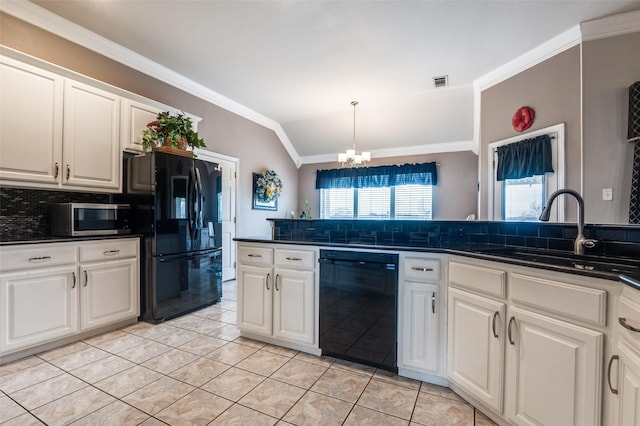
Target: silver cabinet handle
x=56, y=171
x=623, y=322
x=493, y=324
x=68, y=171
x=417, y=268
x=433, y=302
x=74, y=280
x=86, y=278
x=39, y=259
x=511, y=321
x=254, y=255
x=294, y=258
x=110, y=252
x=276, y=282
x=613, y=358
x=268, y=276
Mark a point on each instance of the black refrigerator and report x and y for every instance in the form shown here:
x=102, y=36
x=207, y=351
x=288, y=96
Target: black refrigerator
x=176, y=206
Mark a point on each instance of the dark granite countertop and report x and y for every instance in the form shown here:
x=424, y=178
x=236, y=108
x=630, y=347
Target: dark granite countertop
x=625, y=270
x=52, y=239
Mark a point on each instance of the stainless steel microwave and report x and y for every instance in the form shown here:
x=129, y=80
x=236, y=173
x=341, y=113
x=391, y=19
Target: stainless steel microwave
x=81, y=219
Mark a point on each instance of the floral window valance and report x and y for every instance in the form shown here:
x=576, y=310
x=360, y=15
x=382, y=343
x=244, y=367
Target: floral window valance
x=525, y=158
x=378, y=177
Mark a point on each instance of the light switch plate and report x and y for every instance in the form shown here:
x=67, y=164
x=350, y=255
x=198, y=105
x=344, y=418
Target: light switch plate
x=607, y=194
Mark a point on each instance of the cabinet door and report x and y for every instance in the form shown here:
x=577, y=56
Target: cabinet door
x=629, y=388
x=135, y=117
x=554, y=371
x=109, y=293
x=255, y=285
x=420, y=330
x=91, y=145
x=30, y=123
x=37, y=307
x=293, y=306
x=476, y=346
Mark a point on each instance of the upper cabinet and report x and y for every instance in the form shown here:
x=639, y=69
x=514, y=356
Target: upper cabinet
x=91, y=139
x=30, y=123
x=60, y=130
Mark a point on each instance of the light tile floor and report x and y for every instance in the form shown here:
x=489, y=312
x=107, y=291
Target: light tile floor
x=196, y=370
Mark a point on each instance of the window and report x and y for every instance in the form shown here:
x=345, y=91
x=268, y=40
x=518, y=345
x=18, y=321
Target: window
x=401, y=202
x=382, y=192
x=521, y=198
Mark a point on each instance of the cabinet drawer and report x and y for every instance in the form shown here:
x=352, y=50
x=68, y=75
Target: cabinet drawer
x=628, y=318
x=295, y=259
x=35, y=256
x=478, y=278
x=422, y=270
x=584, y=304
x=108, y=250
x=255, y=255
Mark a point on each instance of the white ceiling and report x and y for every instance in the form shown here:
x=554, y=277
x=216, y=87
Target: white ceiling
x=301, y=63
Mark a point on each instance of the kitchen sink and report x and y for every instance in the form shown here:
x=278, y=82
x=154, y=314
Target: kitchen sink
x=569, y=260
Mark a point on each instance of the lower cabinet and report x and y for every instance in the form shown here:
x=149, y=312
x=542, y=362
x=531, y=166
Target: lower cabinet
x=38, y=306
x=476, y=346
x=108, y=293
x=54, y=291
x=628, y=385
x=534, y=357
x=275, y=301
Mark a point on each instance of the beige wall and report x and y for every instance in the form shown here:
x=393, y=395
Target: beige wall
x=610, y=66
x=455, y=195
x=552, y=89
x=224, y=132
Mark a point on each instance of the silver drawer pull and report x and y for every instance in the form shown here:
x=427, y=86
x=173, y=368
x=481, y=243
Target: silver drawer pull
x=623, y=322
x=294, y=258
x=254, y=255
x=417, y=268
x=39, y=259
x=111, y=252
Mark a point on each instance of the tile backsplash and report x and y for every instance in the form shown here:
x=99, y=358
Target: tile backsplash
x=24, y=213
x=613, y=240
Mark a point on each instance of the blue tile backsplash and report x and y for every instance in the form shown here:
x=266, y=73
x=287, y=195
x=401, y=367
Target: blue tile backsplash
x=613, y=240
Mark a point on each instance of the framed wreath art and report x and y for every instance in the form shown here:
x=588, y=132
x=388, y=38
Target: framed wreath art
x=267, y=187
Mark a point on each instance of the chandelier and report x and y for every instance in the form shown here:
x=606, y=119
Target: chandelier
x=350, y=158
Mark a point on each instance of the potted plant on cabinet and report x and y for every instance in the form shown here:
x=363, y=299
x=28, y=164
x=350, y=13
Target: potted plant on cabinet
x=172, y=130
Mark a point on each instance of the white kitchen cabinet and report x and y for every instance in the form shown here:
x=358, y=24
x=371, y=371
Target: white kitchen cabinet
x=109, y=281
x=255, y=299
x=135, y=117
x=626, y=384
x=553, y=374
x=37, y=306
x=422, y=317
x=527, y=344
x=476, y=346
x=293, y=305
x=30, y=123
x=61, y=290
x=277, y=295
x=91, y=143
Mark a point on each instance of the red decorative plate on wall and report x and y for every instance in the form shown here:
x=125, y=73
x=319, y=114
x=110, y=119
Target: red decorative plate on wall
x=523, y=118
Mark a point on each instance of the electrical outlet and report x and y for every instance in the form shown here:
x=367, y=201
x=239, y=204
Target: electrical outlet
x=607, y=194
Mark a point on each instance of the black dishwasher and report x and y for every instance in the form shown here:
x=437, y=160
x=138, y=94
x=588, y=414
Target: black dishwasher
x=358, y=306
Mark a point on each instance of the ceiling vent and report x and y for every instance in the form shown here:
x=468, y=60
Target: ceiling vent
x=441, y=81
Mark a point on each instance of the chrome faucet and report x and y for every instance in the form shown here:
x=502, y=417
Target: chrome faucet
x=581, y=242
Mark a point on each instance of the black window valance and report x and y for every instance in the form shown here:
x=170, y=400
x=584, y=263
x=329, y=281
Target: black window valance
x=525, y=158
x=378, y=177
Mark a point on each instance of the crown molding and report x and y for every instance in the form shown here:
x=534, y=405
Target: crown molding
x=611, y=26
x=436, y=148
x=42, y=18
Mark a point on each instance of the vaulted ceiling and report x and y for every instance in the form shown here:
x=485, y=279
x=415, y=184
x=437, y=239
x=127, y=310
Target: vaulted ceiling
x=299, y=64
